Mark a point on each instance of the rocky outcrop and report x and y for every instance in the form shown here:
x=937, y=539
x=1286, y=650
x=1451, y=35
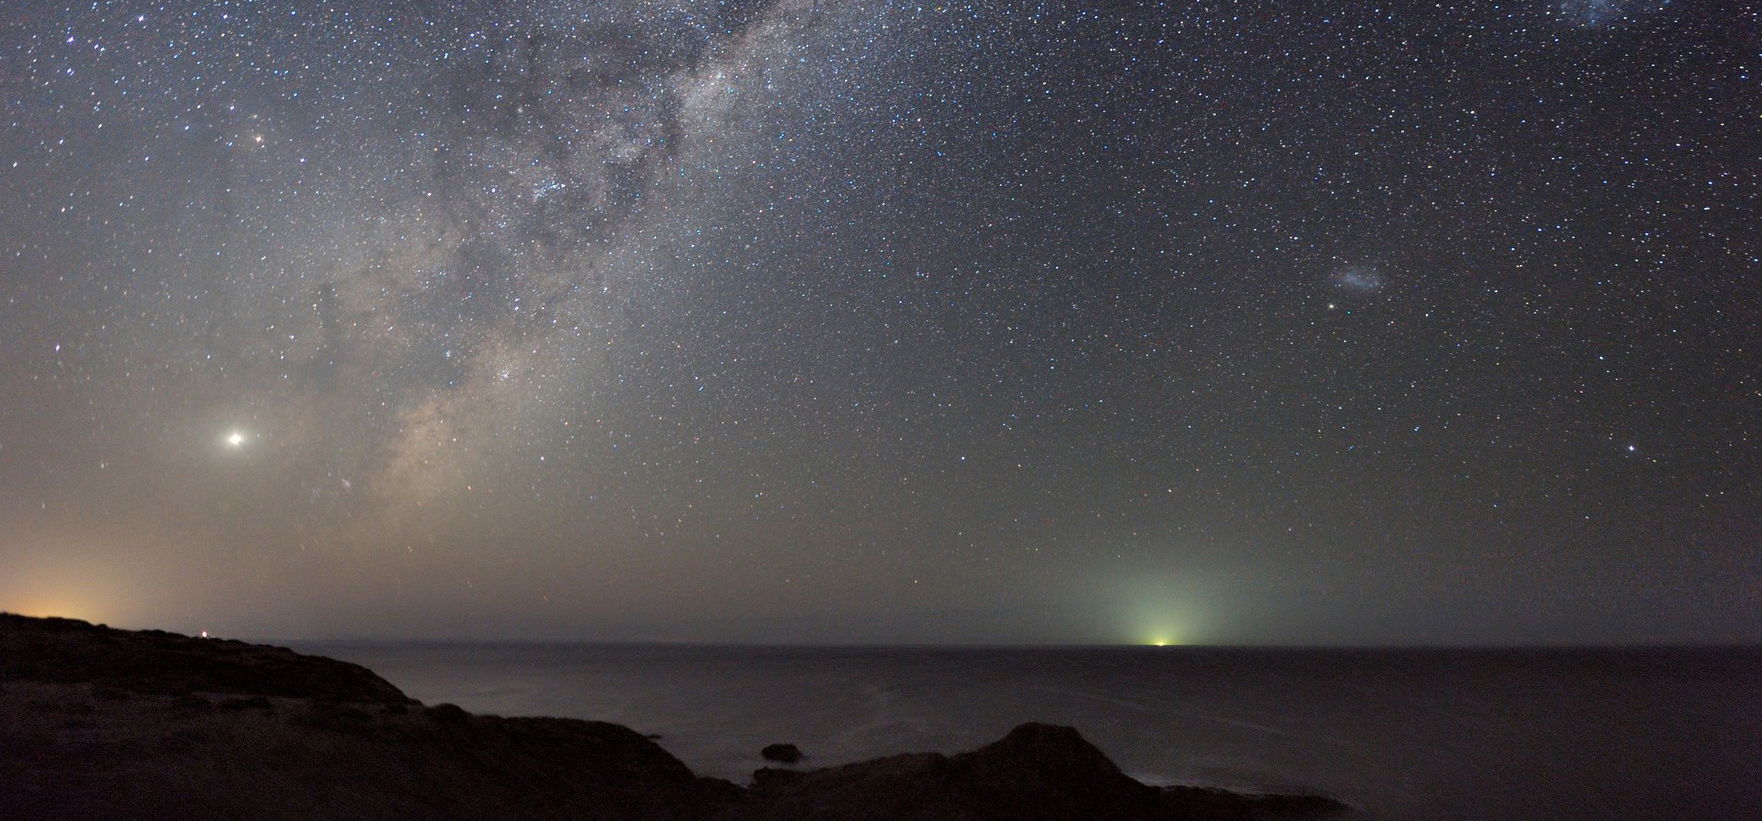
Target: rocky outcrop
x=781, y=753
x=1038, y=772
x=154, y=661
x=103, y=723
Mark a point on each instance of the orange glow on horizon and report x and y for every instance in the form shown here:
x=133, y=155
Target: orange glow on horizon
x=69, y=587
x=54, y=606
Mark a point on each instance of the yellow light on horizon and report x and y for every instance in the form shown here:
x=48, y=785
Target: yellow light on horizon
x=75, y=577
x=56, y=604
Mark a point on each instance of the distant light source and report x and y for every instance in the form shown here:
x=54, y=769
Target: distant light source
x=235, y=439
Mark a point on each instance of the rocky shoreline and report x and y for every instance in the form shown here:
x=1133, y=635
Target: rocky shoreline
x=97, y=722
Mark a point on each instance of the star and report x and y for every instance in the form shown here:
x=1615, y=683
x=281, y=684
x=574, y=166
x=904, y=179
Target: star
x=538, y=285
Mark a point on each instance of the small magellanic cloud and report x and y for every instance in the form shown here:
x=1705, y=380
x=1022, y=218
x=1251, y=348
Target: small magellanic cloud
x=1607, y=13
x=1363, y=279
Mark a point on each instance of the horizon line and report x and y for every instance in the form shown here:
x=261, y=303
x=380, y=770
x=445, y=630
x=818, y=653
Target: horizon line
x=954, y=645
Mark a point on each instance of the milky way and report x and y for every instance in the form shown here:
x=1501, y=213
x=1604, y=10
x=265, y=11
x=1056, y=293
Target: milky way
x=812, y=321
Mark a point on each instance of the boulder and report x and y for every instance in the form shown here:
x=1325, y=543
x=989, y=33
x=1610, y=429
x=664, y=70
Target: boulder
x=784, y=753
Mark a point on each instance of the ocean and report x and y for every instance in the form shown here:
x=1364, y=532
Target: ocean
x=1668, y=733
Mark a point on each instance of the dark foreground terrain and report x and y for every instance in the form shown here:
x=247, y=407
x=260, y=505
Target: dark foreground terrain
x=104, y=723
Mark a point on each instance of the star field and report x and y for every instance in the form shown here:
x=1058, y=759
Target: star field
x=815, y=321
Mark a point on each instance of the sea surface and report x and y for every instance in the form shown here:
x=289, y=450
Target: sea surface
x=1398, y=734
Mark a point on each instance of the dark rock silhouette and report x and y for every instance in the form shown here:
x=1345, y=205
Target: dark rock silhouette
x=784, y=753
x=154, y=661
x=103, y=723
x=1038, y=772
x=173, y=727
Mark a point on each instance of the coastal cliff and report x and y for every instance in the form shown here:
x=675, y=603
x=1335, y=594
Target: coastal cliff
x=103, y=723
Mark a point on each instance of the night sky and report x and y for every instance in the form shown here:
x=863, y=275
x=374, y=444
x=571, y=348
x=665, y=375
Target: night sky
x=820, y=321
